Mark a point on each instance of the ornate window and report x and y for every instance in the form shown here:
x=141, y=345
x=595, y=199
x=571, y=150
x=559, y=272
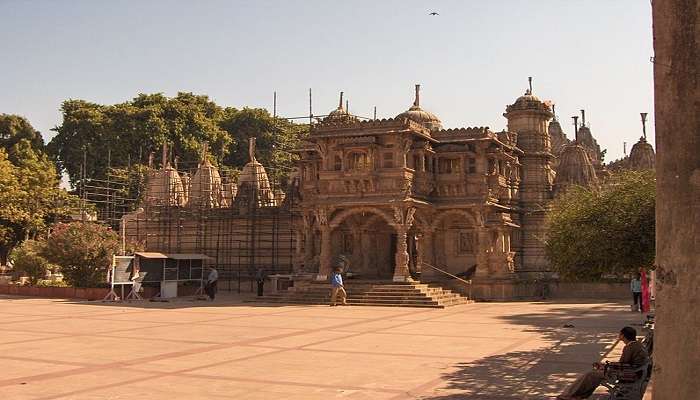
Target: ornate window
x=347, y=243
x=337, y=163
x=358, y=161
x=448, y=165
x=466, y=242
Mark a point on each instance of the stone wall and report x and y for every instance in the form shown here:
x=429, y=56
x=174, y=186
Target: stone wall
x=504, y=290
x=677, y=110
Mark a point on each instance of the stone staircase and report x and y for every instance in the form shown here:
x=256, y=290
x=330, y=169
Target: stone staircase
x=369, y=293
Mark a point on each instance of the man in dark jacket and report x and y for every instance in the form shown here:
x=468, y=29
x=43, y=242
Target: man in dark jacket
x=633, y=355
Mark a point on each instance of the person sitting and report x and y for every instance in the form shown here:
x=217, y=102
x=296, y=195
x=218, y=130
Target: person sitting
x=633, y=355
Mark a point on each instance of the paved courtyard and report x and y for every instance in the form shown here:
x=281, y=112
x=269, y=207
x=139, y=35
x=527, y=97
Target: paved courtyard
x=60, y=349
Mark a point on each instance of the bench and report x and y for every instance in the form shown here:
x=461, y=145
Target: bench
x=625, y=382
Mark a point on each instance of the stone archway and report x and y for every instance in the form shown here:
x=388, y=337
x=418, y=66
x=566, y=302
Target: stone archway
x=394, y=225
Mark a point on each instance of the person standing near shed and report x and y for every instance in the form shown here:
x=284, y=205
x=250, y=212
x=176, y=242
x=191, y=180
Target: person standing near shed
x=211, y=285
x=260, y=277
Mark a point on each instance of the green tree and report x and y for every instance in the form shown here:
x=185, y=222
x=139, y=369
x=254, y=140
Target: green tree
x=130, y=131
x=9, y=211
x=124, y=134
x=14, y=128
x=27, y=258
x=83, y=251
x=610, y=231
x=30, y=196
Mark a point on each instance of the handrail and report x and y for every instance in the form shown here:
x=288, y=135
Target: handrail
x=468, y=282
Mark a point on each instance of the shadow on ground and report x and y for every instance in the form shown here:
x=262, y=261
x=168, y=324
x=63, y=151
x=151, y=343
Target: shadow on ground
x=542, y=373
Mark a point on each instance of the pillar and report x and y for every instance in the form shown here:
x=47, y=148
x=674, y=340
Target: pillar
x=676, y=97
x=324, y=267
x=401, y=272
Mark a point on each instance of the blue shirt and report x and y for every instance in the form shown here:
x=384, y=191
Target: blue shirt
x=336, y=280
x=636, y=286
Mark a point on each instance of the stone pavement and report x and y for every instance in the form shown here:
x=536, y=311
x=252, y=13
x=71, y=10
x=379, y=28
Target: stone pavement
x=60, y=349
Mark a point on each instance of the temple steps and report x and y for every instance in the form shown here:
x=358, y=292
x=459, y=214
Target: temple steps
x=370, y=293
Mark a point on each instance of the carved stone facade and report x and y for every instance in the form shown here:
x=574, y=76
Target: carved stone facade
x=399, y=195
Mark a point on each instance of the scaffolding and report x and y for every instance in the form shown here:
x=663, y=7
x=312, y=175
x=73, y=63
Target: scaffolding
x=244, y=222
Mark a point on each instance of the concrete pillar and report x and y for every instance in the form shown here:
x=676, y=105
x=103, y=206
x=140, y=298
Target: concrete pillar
x=401, y=273
x=677, y=100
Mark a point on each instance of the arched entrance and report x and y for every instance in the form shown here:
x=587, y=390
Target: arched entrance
x=367, y=236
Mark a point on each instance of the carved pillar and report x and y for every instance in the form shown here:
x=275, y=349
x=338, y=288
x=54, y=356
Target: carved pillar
x=324, y=267
x=309, y=241
x=325, y=260
x=401, y=272
x=403, y=217
x=484, y=248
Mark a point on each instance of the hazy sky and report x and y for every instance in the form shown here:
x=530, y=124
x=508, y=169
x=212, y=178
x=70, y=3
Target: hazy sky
x=471, y=60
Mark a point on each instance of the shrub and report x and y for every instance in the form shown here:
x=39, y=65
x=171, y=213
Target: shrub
x=28, y=260
x=83, y=250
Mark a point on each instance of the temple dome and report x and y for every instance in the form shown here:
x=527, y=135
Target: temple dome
x=423, y=117
x=641, y=156
x=205, y=187
x=575, y=168
x=253, y=184
x=340, y=115
x=164, y=188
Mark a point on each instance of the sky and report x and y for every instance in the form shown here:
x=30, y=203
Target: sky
x=471, y=60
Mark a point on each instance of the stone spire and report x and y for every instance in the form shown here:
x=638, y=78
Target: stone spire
x=205, y=185
x=642, y=155
x=253, y=185
x=586, y=139
x=164, y=187
x=575, y=168
x=557, y=137
x=529, y=118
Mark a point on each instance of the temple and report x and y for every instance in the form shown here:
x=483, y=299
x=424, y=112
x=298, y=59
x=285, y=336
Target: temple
x=404, y=199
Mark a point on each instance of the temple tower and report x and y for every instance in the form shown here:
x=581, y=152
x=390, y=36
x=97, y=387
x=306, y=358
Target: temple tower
x=528, y=117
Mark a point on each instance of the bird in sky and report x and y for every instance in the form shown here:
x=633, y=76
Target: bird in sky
x=434, y=13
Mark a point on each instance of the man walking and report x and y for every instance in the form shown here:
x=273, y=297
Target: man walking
x=337, y=288
x=211, y=285
x=636, y=288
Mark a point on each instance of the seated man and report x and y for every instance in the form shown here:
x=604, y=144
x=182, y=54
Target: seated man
x=633, y=355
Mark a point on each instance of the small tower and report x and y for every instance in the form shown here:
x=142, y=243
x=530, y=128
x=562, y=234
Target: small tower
x=575, y=167
x=529, y=118
x=253, y=185
x=164, y=187
x=586, y=139
x=557, y=138
x=642, y=154
x=205, y=185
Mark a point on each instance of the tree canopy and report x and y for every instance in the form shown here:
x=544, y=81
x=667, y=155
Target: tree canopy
x=30, y=196
x=14, y=129
x=131, y=131
x=610, y=231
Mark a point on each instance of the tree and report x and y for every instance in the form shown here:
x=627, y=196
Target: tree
x=83, y=251
x=9, y=211
x=130, y=131
x=27, y=258
x=14, y=128
x=610, y=231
